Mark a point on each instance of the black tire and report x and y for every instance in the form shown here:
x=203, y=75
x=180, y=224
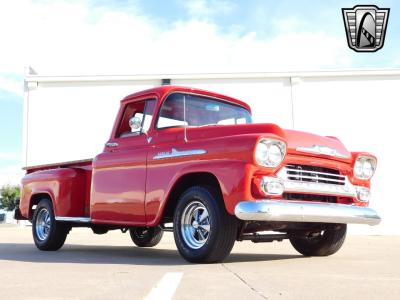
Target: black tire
x=146, y=236
x=327, y=243
x=53, y=237
x=218, y=242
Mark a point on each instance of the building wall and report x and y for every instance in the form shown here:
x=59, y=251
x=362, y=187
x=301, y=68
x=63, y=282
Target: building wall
x=72, y=119
x=68, y=121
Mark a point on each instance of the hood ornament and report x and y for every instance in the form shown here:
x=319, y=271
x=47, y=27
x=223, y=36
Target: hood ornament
x=318, y=149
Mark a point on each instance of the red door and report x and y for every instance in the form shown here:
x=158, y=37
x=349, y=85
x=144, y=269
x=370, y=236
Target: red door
x=119, y=173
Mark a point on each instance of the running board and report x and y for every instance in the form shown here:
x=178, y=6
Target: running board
x=74, y=219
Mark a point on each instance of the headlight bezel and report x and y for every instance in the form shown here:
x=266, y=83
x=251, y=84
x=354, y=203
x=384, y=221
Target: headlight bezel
x=268, y=142
x=360, y=166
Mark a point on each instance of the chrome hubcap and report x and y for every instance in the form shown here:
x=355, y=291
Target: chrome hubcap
x=195, y=225
x=43, y=224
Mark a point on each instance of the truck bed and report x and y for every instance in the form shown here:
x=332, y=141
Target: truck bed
x=67, y=184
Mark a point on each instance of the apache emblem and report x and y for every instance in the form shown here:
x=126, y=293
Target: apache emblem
x=365, y=27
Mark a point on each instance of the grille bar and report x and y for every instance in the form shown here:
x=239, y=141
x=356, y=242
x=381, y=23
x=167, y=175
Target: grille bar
x=313, y=178
x=314, y=174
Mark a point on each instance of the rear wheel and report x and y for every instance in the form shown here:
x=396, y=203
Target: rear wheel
x=204, y=232
x=324, y=243
x=146, y=236
x=48, y=234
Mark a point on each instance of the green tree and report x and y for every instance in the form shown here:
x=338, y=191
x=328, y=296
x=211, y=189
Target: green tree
x=10, y=195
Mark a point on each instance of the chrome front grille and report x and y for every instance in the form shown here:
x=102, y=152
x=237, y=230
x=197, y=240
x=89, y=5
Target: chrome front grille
x=315, y=174
x=313, y=180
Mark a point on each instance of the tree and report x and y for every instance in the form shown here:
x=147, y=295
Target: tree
x=10, y=195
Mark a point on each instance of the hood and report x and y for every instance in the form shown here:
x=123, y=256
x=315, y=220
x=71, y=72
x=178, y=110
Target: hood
x=304, y=143
x=298, y=142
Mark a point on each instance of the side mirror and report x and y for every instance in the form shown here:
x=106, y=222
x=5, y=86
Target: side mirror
x=135, y=123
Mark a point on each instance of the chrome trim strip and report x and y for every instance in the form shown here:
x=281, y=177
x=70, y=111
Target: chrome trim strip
x=318, y=149
x=300, y=211
x=74, y=219
x=176, y=153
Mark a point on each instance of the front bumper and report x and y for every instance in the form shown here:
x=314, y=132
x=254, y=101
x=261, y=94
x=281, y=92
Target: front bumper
x=300, y=211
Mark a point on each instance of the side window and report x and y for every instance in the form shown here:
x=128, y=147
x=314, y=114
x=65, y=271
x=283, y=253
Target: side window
x=136, y=119
x=171, y=113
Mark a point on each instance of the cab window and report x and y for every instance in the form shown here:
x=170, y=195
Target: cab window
x=136, y=118
x=195, y=111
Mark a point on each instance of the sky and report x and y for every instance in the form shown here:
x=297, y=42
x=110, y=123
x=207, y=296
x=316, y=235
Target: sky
x=147, y=36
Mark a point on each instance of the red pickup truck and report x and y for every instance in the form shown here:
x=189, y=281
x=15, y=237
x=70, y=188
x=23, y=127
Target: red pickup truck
x=194, y=159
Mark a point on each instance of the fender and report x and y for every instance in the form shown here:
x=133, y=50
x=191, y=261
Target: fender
x=233, y=167
x=233, y=177
x=64, y=186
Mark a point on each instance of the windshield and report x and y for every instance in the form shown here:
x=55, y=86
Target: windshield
x=200, y=111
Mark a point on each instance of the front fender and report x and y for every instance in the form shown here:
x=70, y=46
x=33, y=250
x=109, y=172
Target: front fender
x=233, y=177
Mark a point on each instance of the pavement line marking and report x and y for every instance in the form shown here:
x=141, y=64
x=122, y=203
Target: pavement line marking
x=166, y=287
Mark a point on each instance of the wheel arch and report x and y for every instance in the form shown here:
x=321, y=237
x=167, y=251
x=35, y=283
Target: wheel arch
x=187, y=180
x=35, y=199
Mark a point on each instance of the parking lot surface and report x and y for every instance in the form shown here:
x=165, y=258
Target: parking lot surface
x=110, y=267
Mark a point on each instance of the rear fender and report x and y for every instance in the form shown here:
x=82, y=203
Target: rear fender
x=65, y=187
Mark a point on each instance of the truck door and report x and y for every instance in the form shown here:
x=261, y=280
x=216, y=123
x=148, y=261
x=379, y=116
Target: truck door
x=119, y=173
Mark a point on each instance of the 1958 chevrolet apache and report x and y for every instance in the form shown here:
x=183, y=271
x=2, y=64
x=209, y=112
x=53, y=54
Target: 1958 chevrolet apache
x=194, y=159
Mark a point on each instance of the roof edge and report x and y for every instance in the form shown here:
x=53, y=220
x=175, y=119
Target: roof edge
x=243, y=75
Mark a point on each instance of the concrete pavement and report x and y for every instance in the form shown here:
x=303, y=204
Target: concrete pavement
x=109, y=266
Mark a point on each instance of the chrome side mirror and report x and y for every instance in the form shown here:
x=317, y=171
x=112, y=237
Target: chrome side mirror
x=135, y=123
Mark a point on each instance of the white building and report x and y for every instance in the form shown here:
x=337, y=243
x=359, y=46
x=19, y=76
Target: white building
x=71, y=117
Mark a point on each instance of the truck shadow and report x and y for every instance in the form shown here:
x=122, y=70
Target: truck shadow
x=88, y=254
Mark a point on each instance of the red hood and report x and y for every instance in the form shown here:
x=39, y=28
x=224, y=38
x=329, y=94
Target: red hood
x=301, y=143
x=305, y=143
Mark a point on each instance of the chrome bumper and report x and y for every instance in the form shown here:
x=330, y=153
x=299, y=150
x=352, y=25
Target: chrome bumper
x=299, y=211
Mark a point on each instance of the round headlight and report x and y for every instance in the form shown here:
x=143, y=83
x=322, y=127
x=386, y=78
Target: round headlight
x=270, y=153
x=364, y=167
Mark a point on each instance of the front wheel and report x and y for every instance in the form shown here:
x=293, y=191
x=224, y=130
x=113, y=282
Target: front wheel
x=204, y=232
x=146, y=236
x=324, y=243
x=48, y=234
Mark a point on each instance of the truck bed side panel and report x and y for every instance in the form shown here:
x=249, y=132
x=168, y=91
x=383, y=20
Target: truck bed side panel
x=67, y=187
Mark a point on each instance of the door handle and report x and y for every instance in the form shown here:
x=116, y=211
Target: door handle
x=112, y=145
